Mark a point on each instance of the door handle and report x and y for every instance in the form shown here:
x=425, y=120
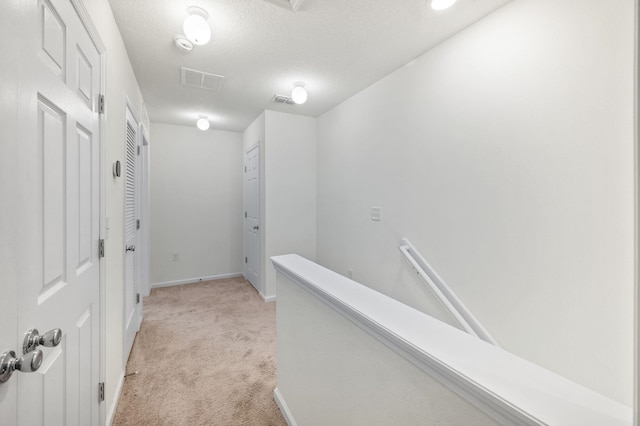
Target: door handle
x=256, y=227
x=49, y=339
x=131, y=248
x=26, y=363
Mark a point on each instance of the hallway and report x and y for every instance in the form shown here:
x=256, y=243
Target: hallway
x=205, y=355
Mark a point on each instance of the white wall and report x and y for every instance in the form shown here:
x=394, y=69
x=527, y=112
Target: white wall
x=196, y=203
x=288, y=146
x=505, y=155
x=333, y=372
x=290, y=189
x=120, y=84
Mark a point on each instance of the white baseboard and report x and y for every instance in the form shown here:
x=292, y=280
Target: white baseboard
x=196, y=280
x=111, y=412
x=267, y=299
x=284, y=409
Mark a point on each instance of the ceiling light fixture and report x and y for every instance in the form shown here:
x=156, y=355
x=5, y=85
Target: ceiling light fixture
x=299, y=94
x=441, y=4
x=203, y=123
x=196, y=27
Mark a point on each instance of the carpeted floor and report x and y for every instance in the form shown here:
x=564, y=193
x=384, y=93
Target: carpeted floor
x=205, y=355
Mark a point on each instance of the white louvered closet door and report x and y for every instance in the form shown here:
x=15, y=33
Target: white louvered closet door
x=132, y=315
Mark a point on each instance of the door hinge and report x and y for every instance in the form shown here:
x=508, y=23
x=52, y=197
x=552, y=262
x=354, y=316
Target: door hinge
x=100, y=104
x=245, y=260
x=101, y=248
x=101, y=391
x=138, y=149
x=245, y=169
x=245, y=215
x=138, y=298
x=138, y=224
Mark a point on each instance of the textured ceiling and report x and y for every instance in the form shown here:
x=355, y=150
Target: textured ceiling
x=337, y=47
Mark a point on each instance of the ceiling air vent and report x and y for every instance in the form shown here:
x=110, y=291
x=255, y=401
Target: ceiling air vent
x=281, y=99
x=201, y=79
x=287, y=4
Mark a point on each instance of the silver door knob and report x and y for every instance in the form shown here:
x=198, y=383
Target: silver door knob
x=49, y=339
x=131, y=248
x=26, y=363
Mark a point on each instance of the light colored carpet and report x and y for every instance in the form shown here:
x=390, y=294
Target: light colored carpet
x=205, y=355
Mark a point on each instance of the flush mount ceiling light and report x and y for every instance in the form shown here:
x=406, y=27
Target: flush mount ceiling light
x=299, y=94
x=196, y=27
x=441, y=4
x=203, y=123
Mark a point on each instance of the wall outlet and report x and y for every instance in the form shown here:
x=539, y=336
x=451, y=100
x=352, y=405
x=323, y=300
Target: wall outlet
x=376, y=214
x=175, y=256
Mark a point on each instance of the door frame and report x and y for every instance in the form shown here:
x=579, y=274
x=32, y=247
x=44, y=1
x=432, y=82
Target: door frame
x=94, y=35
x=636, y=215
x=636, y=193
x=260, y=288
x=126, y=351
x=144, y=189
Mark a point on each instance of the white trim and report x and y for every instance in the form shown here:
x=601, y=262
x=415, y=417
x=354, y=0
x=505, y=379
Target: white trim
x=636, y=235
x=196, y=280
x=267, y=299
x=145, y=217
x=103, y=236
x=114, y=405
x=284, y=408
x=252, y=147
x=508, y=388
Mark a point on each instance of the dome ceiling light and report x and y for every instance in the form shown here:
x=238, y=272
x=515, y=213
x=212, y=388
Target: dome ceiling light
x=203, y=123
x=195, y=26
x=299, y=93
x=441, y=4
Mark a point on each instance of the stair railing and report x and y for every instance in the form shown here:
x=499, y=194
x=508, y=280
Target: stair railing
x=444, y=294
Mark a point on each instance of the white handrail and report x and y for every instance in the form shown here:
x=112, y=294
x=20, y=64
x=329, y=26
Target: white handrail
x=445, y=295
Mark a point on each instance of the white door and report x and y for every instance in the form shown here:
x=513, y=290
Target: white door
x=252, y=216
x=132, y=311
x=10, y=214
x=52, y=211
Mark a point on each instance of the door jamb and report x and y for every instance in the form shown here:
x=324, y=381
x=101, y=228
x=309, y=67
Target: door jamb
x=145, y=203
x=636, y=194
